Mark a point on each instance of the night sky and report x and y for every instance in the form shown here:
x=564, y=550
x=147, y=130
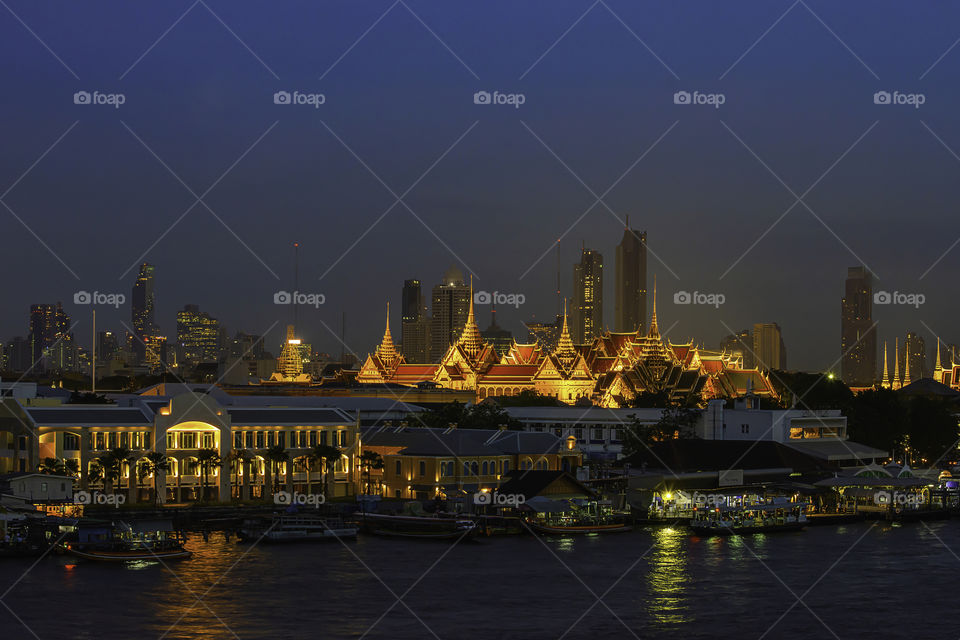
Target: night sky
x=490, y=189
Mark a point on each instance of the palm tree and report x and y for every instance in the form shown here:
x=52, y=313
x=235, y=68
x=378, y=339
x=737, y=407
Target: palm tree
x=72, y=467
x=327, y=456
x=370, y=460
x=155, y=462
x=303, y=463
x=120, y=458
x=277, y=455
x=110, y=471
x=239, y=459
x=207, y=459
x=94, y=471
x=52, y=466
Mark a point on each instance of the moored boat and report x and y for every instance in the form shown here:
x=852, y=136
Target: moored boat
x=123, y=542
x=768, y=517
x=296, y=528
x=580, y=528
x=425, y=527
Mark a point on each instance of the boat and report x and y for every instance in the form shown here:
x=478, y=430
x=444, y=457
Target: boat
x=296, y=528
x=126, y=542
x=424, y=527
x=576, y=528
x=766, y=517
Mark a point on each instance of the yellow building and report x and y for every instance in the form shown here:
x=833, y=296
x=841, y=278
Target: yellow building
x=423, y=463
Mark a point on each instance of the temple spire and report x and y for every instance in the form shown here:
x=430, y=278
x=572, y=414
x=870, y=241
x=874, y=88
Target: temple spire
x=895, y=383
x=387, y=351
x=906, y=365
x=938, y=368
x=654, y=329
x=470, y=339
x=565, y=349
x=885, y=379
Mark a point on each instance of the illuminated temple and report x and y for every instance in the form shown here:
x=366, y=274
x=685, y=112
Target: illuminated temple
x=610, y=371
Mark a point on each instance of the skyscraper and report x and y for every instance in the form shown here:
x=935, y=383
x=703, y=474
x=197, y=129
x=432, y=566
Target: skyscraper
x=142, y=308
x=740, y=343
x=914, y=358
x=198, y=335
x=51, y=343
x=631, y=284
x=500, y=338
x=858, y=334
x=413, y=324
x=587, y=296
x=451, y=302
x=768, y=347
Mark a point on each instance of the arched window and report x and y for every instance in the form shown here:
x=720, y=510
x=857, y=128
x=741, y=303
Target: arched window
x=542, y=464
x=466, y=468
x=484, y=467
x=475, y=468
x=506, y=466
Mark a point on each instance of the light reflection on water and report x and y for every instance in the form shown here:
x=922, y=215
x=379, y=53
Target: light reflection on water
x=667, y=577
x=662, y=583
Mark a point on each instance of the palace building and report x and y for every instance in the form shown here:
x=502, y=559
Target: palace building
x=186, y=426
x=611, y=370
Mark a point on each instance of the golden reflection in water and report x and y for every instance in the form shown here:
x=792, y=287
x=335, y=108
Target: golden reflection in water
x=668, y=577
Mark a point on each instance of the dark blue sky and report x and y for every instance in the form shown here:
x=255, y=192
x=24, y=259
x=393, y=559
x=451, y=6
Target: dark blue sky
x=800, y=99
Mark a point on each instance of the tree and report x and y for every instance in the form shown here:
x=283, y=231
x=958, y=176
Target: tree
x=113, y=463
x=208, y=459
x=486, y=415
x=878, y=418
x=328, y=457
x=370, y=460
x=931, y=432
x=277, y=456
x=155, y=463
x=239, y=459
x=675, y=423
x=58, y=466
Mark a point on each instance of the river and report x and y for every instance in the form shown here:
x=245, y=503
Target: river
x=853, y=581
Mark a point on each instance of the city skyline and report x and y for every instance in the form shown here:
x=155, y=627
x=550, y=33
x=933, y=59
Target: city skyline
x=707, y=184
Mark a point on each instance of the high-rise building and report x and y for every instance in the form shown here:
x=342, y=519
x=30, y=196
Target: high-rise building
x=547, y=334
x=51, y=343
x=451, y=302
x=768, y=347
x=587, y=296
x=414, y=327
x=914, y=359
x=18, y=354
x=858, y=333
x=740, y=343
x=500, y=338
x=198, y=335
x=142, y=311
x=247, y=346
x=631, y=283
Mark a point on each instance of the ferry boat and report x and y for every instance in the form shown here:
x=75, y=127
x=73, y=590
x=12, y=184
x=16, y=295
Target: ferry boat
x=296, y=528
x=767, y=517
x=425, y=527
x=123, y=542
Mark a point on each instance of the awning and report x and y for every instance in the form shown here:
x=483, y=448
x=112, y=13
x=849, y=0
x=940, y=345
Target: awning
x=546, y=505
